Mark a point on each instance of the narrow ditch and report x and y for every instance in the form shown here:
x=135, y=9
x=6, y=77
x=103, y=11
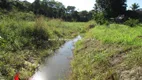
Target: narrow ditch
x=57, y=66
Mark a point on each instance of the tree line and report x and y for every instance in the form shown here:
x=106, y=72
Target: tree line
x=48, y=8
x=103, y=9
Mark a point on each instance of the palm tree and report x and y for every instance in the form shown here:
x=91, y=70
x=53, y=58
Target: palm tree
x=135, y=6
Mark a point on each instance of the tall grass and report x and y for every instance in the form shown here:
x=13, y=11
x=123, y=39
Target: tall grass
x=107, y=52
x=24, y=43
x=117, y=34
x=19, y=41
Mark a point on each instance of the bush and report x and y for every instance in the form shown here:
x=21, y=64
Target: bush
x=99, y=18
x=10, y=31
x=18, y=15
x=40, y=32
x=131, y=22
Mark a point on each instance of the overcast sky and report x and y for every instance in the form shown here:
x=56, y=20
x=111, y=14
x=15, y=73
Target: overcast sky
x=89, y=4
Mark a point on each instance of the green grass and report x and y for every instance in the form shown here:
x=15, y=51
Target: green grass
x=115, y=33
x=108, y=52
x=26, y=42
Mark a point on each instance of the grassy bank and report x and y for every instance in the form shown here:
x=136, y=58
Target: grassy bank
x=110, y=52
x=26, y=39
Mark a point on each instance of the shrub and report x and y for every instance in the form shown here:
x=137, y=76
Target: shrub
x=40, y=32
x=99, y=18
x=26, y=16
x=131, y=22
x=18, y=15
x=10, y=32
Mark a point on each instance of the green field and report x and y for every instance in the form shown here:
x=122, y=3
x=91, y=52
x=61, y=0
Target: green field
x=109, y=52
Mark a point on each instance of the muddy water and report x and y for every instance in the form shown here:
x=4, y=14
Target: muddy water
x=57, y=66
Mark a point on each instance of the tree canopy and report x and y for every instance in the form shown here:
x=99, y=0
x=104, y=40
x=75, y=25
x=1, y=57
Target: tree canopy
x=111, y=8
x=135, y=6
x=54, y=9
x=48, y=8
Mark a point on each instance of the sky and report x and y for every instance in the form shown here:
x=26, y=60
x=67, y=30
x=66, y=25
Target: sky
x=130, y=2
x=89, y=4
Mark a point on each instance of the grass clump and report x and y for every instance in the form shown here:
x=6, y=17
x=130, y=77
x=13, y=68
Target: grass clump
x=40, y=33
x=132, y=22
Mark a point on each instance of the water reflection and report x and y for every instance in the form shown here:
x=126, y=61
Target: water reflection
x=57, y=66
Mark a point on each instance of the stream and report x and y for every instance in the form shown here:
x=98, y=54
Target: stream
x=57, y=66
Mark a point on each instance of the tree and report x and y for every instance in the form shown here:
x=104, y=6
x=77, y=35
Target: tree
x=135, y=6
x=75, y=16
x=70, y=9
x=36, y=6
x=111, y=8
x=91, y=14
x=58, y=9
x=21, y=5
x=95, y=8
x=83, y=16
x=48, y=8
x=70, y=13
x=5, y=4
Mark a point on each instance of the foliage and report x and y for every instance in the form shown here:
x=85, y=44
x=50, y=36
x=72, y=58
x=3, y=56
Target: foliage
x=108, y=53
x=28, y=16
x=84, y=16
x=111, y=8
x=40, y=32
x=135, y=6
x=99, y=18
x=48, y=8
x=132, y=22
x=24, y=43
x=15, y=4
